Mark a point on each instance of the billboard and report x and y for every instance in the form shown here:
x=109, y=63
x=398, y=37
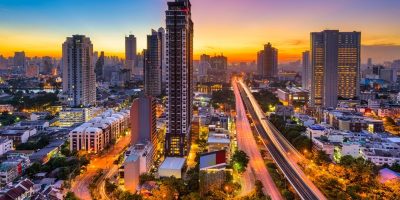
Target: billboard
x=212, y=159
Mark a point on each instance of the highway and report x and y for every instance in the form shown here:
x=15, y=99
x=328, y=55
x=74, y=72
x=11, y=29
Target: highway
x=283, y=153
x=80, y=185
x=246, y=142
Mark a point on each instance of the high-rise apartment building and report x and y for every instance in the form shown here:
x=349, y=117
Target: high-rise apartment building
x=335, y=60
x=153, y=64
x=179, y=63
x=161, y=34
x=143, y=120
x=267, y=62
x=79, y=79
x=131, y=53
x=306, y=71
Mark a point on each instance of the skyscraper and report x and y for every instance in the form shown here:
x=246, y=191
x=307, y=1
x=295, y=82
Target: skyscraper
x=306, y=71
x=335, y=60
x=153, y=64
x=179, y=47
x=79, y=81
x=131, y=53
x=143, y=120
x=260, y=62
x=267, y=62
x=161, y=34
x=99, y=65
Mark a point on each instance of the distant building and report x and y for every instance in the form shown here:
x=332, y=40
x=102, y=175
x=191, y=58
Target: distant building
x=131, y=53
x=19, y=59
x=217, y=73
x=153, y=58
x=306, y=71
x=292, y=95
x=71, y=116
x=179, y=27
x=79, y=79
x=32, y=71
x=99, y=66
x=335, y=60
x=267, y=62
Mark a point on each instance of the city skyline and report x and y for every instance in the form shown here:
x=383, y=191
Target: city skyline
x=38, y=28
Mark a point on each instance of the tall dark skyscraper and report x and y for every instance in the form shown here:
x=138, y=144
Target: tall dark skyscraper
x=267, y=62
x=179, y=65
x=153, y=57
x=79, y=79
x=306, y=71
x=99, y=66
x=335, y=60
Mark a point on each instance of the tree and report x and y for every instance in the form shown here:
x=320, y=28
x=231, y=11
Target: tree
x=320, y=157
x=259, y=187
x=146, y=177
x=33, y=169
x=70, y=196
x=165, y=192
x=240, y=161
x=192, y=196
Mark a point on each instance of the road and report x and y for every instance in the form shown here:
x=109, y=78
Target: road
x=80, y=185
x=284, y=154
x=246, y=142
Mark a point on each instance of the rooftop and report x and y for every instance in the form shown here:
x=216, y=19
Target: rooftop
x=173, y=163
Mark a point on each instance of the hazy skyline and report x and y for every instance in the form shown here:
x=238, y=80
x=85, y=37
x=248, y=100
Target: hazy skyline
x=236, y=28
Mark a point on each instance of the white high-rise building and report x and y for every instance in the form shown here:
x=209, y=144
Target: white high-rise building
x=306, y=71
x=79, y=78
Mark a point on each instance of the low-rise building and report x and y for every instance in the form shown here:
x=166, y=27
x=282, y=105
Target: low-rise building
x=71, y=116
x=8, y=173
x=5, y=145
x=44, y=154
x=40, y=125
x=94, y=135
x=18, y=134
x=218, y=142
x=172, y=166
x=292, y=96
x=138, y=161
x=23, y=190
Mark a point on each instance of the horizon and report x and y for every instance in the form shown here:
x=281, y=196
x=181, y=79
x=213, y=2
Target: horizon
x=40, y=28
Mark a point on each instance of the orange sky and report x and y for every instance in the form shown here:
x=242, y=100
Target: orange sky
x=236, y=28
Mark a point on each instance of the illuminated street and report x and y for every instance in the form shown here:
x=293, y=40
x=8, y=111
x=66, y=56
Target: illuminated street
x=247, y=143
x=81, y=184
x=283, y=153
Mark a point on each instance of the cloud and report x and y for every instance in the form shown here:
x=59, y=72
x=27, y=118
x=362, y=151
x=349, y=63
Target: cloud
x=296, y=42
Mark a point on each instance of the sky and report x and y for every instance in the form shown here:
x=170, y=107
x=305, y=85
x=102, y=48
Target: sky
x=236, y=28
